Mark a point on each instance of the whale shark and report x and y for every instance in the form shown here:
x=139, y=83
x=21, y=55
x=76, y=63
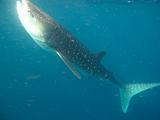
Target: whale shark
x=52, y=36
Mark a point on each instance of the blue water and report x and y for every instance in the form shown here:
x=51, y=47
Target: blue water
x=36, y=85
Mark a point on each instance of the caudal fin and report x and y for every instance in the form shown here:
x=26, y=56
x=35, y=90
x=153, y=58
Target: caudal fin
x=131, y=90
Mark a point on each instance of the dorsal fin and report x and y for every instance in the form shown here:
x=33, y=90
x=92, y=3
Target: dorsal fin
x=100, y=55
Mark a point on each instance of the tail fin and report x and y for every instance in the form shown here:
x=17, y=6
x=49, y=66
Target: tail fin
x=130, y=90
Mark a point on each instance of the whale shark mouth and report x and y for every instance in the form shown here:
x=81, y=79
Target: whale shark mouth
x=31, y=24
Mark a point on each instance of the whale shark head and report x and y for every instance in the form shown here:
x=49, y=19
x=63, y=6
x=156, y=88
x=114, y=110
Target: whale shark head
x=30, y=18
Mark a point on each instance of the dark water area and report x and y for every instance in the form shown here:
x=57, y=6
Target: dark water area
x=35, y=84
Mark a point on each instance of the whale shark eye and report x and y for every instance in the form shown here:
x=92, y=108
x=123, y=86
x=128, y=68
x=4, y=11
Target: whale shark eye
x=32, y=15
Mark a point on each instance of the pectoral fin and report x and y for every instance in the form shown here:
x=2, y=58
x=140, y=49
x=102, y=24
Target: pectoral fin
x=69, y=65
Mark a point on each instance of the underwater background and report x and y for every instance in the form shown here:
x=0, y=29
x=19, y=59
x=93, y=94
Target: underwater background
x=36, y=85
